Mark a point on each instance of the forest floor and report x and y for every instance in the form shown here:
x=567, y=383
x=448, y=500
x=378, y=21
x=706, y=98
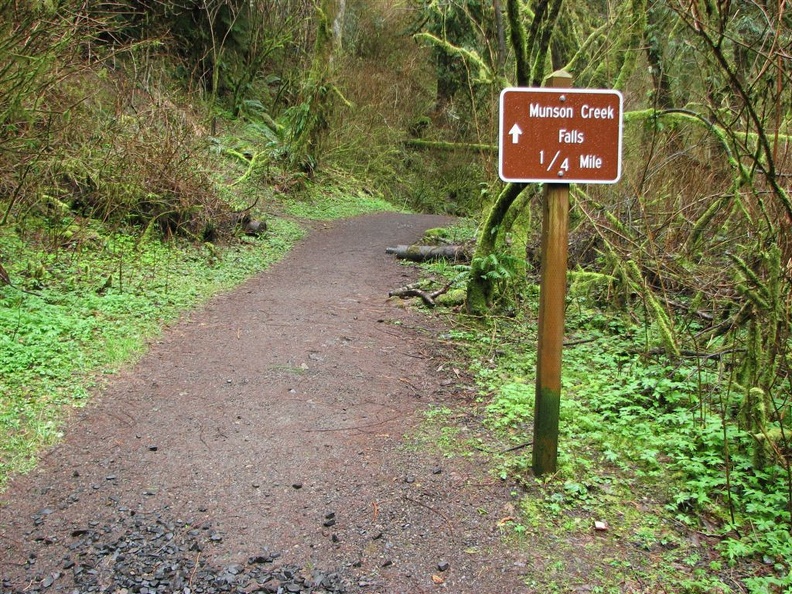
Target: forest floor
x=259, y=446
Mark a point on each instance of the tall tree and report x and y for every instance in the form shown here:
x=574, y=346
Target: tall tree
x=452, y=26
x=309, y=117
x=535, y=42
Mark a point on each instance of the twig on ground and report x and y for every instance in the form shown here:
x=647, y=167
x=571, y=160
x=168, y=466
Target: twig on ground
x=414, y=291
x=431, y=509
x=195, y=570
x=517, y=447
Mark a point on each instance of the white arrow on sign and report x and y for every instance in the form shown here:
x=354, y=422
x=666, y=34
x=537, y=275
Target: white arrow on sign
x=515, y=133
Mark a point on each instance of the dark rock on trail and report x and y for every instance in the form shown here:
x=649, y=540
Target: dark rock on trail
x=155, y=554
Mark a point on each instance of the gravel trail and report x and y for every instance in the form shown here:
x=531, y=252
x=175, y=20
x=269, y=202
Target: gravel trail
x=259, y=447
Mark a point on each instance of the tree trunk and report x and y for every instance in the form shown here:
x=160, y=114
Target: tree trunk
x=519, y=42
x=317, y=95
x=480, y=288
x=662, y=96
x=501, y=34
x=338, y=25
x=632, y=43
x=544, y=35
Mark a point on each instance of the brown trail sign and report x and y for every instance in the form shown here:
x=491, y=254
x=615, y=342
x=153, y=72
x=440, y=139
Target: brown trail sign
x=556, y=135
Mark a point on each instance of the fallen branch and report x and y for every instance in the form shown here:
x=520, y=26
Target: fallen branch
x=704, y=315
x=414, y=291
x=688, y=353
x=450, y=146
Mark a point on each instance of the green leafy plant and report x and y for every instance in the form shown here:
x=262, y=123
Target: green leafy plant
x=639, y=428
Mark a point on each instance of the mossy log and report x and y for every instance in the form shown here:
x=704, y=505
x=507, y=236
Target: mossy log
x=423, y=253
x=417, y=143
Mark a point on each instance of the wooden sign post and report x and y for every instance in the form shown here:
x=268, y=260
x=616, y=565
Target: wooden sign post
x=552, y=297
x=556, y=135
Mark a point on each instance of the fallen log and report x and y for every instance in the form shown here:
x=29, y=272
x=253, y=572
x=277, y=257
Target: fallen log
x=417, y=143
x=422, y=253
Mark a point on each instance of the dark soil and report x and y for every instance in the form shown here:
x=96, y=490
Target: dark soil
x=258, y=447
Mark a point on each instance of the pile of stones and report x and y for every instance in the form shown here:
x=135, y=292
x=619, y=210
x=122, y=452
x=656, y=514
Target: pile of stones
x=151, y=556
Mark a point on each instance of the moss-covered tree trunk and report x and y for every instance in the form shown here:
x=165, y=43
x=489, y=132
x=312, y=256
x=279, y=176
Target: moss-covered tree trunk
x=662, y=94
x=318, y=92
x=632, y=42
x=481, y=285
x=501, y=34
x=480, y=288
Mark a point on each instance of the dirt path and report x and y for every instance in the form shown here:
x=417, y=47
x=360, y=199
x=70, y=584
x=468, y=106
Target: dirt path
x=259, y=446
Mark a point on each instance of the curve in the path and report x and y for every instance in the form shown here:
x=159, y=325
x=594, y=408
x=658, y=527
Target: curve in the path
x=270, y=420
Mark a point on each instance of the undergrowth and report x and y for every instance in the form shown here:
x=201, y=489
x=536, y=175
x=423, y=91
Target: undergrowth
x=337, y=202
x=644, y=449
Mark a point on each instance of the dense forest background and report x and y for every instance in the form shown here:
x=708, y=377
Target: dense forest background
x=115, y=115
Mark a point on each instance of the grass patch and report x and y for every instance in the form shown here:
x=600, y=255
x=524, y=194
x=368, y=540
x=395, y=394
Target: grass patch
x=641, y=450
x=337, y=203
x=94, y=311
x=445, y=430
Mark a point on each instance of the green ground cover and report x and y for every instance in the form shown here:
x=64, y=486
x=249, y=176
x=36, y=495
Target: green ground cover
x=648, y=446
